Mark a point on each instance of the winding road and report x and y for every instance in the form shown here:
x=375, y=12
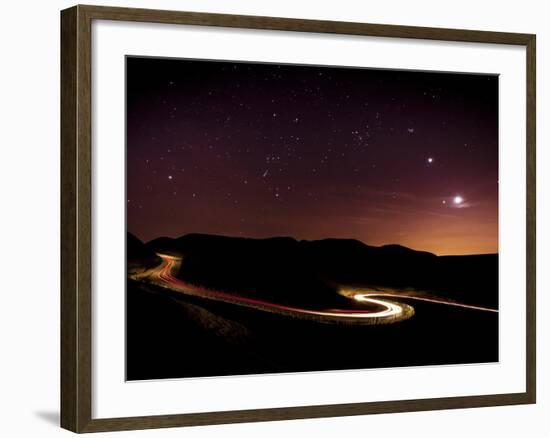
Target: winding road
x=378, y=310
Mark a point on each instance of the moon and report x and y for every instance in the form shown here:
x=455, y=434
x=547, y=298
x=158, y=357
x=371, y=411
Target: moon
x=458, y=200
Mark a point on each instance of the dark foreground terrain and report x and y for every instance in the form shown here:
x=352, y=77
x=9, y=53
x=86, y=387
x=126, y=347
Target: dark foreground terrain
x=170, y=334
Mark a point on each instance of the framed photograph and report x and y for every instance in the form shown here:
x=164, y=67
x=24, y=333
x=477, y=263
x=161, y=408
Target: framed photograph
x=269, y=218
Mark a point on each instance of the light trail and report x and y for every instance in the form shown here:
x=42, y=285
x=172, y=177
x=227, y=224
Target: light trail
x=359, y=297
x=382, y=311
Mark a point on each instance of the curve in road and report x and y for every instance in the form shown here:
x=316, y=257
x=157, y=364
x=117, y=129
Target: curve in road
x=382, y=311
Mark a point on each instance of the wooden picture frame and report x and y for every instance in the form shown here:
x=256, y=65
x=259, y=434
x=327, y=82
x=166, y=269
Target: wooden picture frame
x=76, y=218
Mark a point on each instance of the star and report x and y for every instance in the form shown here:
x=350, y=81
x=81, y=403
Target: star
x=339, y=131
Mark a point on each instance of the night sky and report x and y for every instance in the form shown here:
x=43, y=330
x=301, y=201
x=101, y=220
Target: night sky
x=259, y=150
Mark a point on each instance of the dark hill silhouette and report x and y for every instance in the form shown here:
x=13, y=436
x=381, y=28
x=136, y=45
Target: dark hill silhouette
x=165, y=245
x=172, y=335
x=138, y=254
x=469, y=278
x=270, y=269
x=288, y=270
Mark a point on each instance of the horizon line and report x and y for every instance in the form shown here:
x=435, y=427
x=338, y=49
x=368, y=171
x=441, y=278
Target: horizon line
x=312, y=240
